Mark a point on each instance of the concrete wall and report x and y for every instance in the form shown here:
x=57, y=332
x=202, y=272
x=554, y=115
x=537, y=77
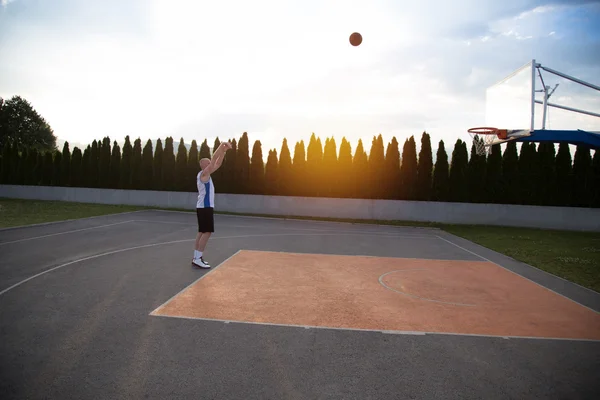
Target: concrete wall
x=458, y=213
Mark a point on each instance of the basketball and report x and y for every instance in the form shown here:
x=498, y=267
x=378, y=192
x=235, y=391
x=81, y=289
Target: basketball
x=355, y=39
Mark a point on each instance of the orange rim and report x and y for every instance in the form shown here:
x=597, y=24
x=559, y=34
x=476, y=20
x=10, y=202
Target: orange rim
x=484, y=131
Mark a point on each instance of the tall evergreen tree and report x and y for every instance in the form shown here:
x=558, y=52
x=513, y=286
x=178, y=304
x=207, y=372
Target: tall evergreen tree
x=596, y=178
x=126, y=161
x=493, y=175
x=85, y=167
x=440, y=186
x=284, y=170
x=345, y=168
x=314, y=158
x=147, y=167
x=408, y=170
x=458, y=173
x=360, y=165
x=546, y=185
x=424, y=168
x=94, y=165
x=104, y=164
x=230, y=165
x=391, y=185
x=168, y=167
x=299, y=170
x=476, y=174
x=563, y=175
x=257, y=170
x=158, y=166
x=181, y=167
x=37, y=171
x=5, y=174
x=136, y=164
x=56, y=167
x=582, y=177
x=271, y=174
x=510, y=174
x=377, y=165
x=242, y=161
x=47, y=168
x=115, y=166
x=193, y=167
x=218, y=176
x=65, y=169
x=330, y=170
x=76, y=168
x=21, y=166
x=204, y=150
x=30, y=178
x=15, y=159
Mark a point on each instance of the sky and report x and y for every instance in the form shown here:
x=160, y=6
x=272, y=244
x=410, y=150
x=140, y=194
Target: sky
x=201, y=69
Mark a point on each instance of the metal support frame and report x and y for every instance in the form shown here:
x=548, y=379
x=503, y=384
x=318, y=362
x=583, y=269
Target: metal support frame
x=547, y=95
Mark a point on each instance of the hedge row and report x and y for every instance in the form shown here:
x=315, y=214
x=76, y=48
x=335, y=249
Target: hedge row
x=535, y=175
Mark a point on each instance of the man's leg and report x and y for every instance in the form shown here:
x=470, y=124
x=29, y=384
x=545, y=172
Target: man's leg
x=202, y=240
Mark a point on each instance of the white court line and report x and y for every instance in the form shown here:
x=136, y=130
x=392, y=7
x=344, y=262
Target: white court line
x=430, y=236
x=68, y=220
x=64, y=233
x=521, y=276
x=193, y=283
x=389, y=332
x=164, y=243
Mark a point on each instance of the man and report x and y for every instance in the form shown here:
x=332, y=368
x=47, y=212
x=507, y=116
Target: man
x=206, y=202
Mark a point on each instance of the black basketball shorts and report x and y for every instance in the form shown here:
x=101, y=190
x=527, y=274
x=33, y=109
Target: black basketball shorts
x=206, y=219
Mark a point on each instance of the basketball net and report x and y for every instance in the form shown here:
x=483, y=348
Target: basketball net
x=483, y=139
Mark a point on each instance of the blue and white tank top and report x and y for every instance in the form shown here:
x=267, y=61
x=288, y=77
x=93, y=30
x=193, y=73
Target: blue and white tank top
x=206, y=192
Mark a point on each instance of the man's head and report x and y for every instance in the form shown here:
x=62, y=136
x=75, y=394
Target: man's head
x=204, y=162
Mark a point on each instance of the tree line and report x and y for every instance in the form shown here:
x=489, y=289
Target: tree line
x=537, y=174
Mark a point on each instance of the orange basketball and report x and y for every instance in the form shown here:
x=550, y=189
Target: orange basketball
x=355, y=39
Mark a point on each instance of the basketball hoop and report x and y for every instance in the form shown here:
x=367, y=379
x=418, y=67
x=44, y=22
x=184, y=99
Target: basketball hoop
x=483, y=137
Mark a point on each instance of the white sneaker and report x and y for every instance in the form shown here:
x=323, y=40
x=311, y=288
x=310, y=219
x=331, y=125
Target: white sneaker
x=200, y=263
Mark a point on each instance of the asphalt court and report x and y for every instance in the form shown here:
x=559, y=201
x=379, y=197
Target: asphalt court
x=112, y=307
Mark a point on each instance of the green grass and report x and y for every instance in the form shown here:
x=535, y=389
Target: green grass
x=17, y=212
x=574, y=256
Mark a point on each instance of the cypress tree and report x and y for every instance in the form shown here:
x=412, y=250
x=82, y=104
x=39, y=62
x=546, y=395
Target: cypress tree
x=115, y=166
x=299, y=170
x=510, y=174
x=47, y=169
x=193, y=167
x=493, y=175
x=85, y=167
x=596, y=178
x=75, y=168
x=168, y=170
x=408, y=170
x=242, y=160
x=30, y=178
x=377, y=166
x=330, y=170
x=147, y=166
x=65, y=169
x=582, y=177
x=360, y=165
x=6, y=163
x=271, y=174
x=345, y=169
x=204, y=150
x=37, y=170
x=14, y=164
x=181, y=167
x=284, y=171
x=230, y=162
x=314, y=158
x=424, y=168
x=257, y=170
x=476, y=174
x=458, y=173
x=441, y=175
x=104, y=176
x=392, y=170
x=158, y=166
x=21, y=167
x=563, y=175
x=547, y=158
x=56, y=169
x=126, y=160
x=94, y=165
x=136, y=164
